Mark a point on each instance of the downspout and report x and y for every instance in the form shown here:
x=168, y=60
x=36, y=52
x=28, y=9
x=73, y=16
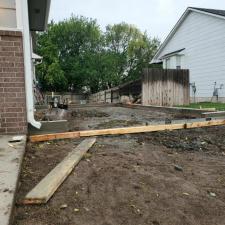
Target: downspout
x=28, y=65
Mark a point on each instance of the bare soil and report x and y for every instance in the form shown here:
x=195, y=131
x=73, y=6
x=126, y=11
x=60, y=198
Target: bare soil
x=109, y=117
x=161, y=178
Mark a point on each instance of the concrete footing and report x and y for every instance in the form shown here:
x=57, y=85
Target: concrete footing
x=48, y=127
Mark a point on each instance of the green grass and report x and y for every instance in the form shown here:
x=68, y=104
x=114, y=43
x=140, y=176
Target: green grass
x=217, y=106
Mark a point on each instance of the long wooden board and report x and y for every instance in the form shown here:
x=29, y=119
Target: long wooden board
x=125, y=130
x=49, y=137
x=131, y=130
x=44, y=190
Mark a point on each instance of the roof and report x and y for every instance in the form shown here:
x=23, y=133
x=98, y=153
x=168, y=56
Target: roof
x=211, y=12
x=172, y=53
x=38, y=14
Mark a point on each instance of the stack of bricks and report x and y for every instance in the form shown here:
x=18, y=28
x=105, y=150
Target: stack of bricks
x=12, y=84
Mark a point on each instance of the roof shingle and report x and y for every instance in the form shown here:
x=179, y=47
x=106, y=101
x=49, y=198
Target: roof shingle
x=213, y=11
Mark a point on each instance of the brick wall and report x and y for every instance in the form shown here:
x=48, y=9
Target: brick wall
x=12, y=84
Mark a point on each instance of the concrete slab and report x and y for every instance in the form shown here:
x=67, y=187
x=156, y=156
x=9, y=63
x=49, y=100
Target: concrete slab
x=214, y=114
x=49, y=127
x=11, y=156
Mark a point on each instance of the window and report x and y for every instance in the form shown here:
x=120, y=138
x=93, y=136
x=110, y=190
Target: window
x=168, y=63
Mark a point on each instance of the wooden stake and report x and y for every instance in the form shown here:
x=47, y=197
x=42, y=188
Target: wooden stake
x=125, y=130
x=49, y=184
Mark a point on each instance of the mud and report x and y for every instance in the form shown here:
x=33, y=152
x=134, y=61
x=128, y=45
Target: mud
x=109, y=117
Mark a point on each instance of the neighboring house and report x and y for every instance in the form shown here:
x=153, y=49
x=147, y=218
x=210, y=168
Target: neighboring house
x=18, y=20
x=197, y=43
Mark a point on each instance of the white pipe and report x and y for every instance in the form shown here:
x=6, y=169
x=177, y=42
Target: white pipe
x=28, y=65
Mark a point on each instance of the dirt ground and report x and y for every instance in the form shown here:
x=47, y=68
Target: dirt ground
x=107, y=117
x=160, y=178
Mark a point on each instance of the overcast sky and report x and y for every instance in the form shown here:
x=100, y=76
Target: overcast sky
x=157, y=17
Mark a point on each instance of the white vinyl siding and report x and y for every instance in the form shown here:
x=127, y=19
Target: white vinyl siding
x=203, y=37
x=8, y=14
x=178, y=62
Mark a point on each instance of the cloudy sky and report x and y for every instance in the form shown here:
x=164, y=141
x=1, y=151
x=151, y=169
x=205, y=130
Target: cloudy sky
x=157, y=17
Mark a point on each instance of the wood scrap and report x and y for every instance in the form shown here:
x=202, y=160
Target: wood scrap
x=125, y=130
x=44, y=190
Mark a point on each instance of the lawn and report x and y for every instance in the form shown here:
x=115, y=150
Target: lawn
x=218, y=106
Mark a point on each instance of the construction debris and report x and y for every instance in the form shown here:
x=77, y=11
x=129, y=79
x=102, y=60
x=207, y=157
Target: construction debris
x=49, y=184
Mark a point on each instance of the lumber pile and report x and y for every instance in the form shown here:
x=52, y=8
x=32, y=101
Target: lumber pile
x=125, y=130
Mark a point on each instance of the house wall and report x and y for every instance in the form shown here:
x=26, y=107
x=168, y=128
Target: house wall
x=12, y=84
x=8, y=13
x=203, y=37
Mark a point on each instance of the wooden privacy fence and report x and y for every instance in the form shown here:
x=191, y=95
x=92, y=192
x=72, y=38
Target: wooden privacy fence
x=165, y=87
x=107, y=96
x=113, y=95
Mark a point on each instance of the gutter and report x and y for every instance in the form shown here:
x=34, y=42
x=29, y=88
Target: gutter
x=28, y=66
x=47, y=13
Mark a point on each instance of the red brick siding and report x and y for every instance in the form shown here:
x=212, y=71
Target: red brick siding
x=12, y=84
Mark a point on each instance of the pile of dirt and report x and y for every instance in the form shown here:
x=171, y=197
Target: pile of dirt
x=80, y=113
x=184, y=140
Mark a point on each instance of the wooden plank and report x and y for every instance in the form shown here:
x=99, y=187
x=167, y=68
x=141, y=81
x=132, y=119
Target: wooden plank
x=49, y=184
x=205, y=124
x=56, y=136
x=128, y=130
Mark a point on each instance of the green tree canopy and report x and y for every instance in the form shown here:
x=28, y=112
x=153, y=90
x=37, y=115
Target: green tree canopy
x=131, y=50
x=76, y=53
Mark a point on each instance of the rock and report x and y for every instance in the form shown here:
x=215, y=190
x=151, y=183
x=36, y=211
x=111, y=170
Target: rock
x=185, y=193
x=178, y=168
x=63, y=206
x=76, y=210
x=212, y=194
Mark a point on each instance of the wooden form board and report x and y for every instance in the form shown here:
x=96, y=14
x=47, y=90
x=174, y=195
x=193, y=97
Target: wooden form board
x=125, y=130
x=50, y=183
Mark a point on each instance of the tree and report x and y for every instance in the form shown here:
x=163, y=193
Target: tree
x=68, y=45
x=131, y=50
x=76, y=53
